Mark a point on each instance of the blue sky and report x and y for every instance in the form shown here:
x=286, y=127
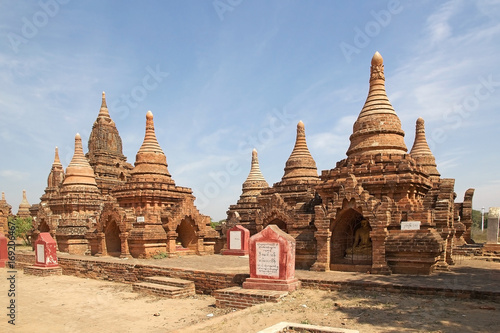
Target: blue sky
x=223, y=77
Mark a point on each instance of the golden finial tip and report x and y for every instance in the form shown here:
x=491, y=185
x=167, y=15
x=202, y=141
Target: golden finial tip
x=377, y=59
x=149, y=115
x=77, y=136
x=300, y=124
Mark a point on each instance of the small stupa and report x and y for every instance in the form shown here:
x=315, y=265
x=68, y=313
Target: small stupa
x=24, y=207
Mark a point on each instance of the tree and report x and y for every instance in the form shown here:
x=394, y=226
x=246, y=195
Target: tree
x=23, y=228
x=476, y=219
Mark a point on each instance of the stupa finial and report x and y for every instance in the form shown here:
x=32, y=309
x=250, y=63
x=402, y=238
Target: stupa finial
x=103, y=112
x=79, y=170
x=378, y=127
x=150, y=159
x=56, y=157
x=255, y=181
x=150, y=143
x=421, y=151
x=300, y=165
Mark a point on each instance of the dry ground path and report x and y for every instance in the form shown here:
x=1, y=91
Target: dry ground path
x=71, y=304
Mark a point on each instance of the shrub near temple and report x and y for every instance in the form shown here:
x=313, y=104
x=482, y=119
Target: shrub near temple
x=23, y=227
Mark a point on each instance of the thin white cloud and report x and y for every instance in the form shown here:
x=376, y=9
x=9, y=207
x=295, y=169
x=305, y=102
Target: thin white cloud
x=438, y=25
x=14, y=174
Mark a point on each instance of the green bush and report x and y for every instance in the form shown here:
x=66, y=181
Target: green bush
x=160, y=255
x=23, y=228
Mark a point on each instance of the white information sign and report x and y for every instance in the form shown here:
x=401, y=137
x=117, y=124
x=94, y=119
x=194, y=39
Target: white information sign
x=410, y=225
x=40, y=253
x=140, y=218
x=235, y=240
x=268, y=257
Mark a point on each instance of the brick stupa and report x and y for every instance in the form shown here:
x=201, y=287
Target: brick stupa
x=383, y=184
x=101, y=205
x=78, y=203
x=351, y=219
x=422, y=153
x=105, y=152
x=289, y=203
x=46, y=220
x=243, y=212
x=5, y=212
x=151, y=214
x=24, y=207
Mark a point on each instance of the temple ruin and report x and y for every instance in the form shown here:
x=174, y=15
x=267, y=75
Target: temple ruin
x=101, y=205
x=381, y=209
x=5, y=213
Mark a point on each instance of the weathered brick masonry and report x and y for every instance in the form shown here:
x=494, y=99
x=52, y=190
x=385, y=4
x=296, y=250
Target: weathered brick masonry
x=209, y=282
x=205, y=282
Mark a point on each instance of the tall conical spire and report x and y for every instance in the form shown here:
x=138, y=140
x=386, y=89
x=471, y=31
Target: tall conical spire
x=56, y=175
x=300, y=166
x=4, y=205
x=24, y=202
x=104, y=112
x=255, y=181
x=105, y=153
x=104, y=137
x=79, y=171
x=150, y=158
x=150, y=143
x=57, y=161
x=378, y=128
x=421, y=151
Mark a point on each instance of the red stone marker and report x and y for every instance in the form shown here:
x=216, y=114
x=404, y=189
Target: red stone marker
x=237, y=241
x=4, y=257
x=45, y=251
x=272, y=261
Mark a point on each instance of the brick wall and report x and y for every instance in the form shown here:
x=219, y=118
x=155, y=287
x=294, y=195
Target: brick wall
x=208, y=282
x=205, y=282
x=236, y=297
x=399, y=289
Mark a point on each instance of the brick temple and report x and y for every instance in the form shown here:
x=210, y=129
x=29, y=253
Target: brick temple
x=5, y=212
x=102, y=205
x=381, y=209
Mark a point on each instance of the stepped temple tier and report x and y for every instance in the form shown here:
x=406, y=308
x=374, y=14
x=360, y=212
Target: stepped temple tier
x=101, y=205
x=381, y=209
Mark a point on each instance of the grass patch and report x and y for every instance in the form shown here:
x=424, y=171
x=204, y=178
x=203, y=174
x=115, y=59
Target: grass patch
x=161, y=255
x=478, y=236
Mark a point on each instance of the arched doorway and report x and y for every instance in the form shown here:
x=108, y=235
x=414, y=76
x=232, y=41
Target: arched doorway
x=112, y=236
x=186, y=236
x=350, y=230
x=281, y=224
x=44, y=227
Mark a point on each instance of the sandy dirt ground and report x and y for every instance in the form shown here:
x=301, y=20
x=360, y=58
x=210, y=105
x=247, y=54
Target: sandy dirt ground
x=71, y=304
